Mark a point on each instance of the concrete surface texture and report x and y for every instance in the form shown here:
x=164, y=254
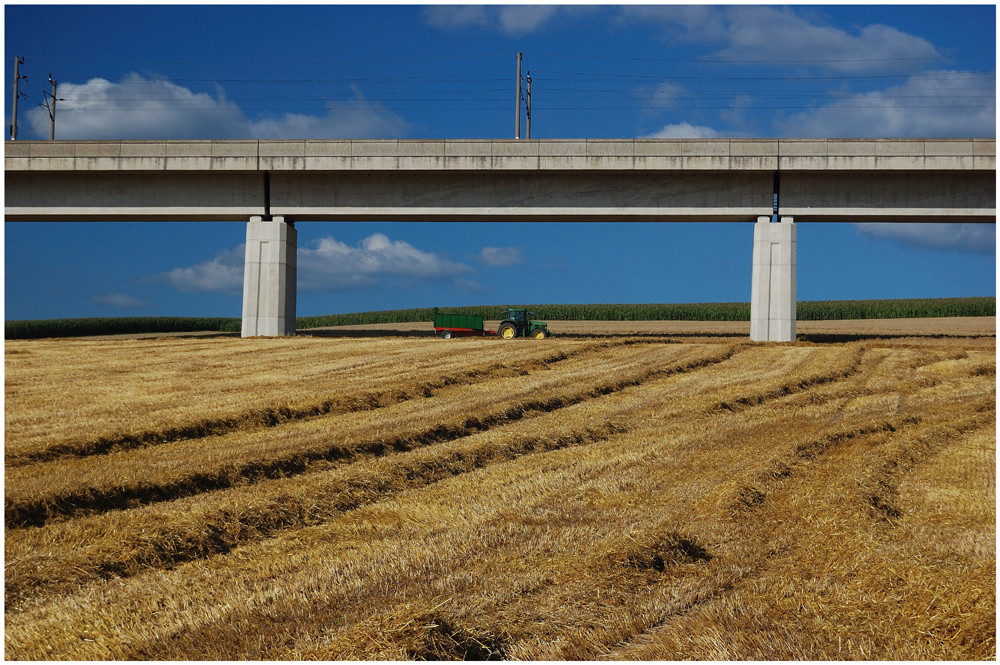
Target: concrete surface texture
x=503, y=180
x=269, y=274
x=772, y=281
x=522, y=196
x=533, y=154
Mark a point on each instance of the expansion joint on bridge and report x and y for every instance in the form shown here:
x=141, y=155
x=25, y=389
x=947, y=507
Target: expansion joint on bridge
x=267, y=194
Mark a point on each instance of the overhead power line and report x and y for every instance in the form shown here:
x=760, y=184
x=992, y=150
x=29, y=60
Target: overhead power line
x=555, y=90
x=504, y=55
x=772, y=61
x=278, y=63
x=589, y=105
x=564, y=94
x=691, y=77
x=460, y=78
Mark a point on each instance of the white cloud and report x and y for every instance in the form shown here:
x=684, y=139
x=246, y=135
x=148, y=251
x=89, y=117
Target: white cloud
x=749, y=33
x=456, y=17
x=683, y=130
x=469, y=286
x=224, y=274
x=332, y=264
x=975, y=238
x=927, y=105
x=154, y=108
x=663, y=96
x=496, y=257
x=512, y=20
x=356, y=119
x=120, y=300
x=803, y=41
x=521, y=20
x=329, y=264
x=137, y=108
x=752, y=36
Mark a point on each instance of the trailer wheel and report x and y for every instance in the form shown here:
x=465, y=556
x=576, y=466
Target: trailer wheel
x=445, y=334
x=507, y=331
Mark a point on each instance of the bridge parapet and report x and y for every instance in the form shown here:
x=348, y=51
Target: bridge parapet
x=506, y=155
x=520, y=155
x=131, y=155
x=887, y=155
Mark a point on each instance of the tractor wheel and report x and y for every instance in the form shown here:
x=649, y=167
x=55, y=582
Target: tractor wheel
x=507, y=331
x=541, y=333
x=445, y=334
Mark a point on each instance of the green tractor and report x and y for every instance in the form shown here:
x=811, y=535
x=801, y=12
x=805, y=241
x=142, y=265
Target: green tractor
x=518, y=323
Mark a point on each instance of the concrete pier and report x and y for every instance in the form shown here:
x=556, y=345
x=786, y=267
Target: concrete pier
x=772, y=290
x=269, y=276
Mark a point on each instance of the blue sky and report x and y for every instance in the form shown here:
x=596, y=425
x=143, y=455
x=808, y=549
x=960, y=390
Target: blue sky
x=407, y=71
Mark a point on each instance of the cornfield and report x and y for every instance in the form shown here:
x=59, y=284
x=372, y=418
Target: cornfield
x=815, y=310
x=572, y=499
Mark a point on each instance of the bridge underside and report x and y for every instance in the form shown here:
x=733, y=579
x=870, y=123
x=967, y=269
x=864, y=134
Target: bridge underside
x=549, y=196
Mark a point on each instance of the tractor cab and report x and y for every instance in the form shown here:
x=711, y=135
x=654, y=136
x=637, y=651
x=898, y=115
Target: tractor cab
x=518, y=323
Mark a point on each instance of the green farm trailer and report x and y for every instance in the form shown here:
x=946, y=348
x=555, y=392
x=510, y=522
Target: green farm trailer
x=459, y=325
x=516, y=323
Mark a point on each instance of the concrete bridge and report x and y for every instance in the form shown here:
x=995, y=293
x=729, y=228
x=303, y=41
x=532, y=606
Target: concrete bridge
x=273, y=184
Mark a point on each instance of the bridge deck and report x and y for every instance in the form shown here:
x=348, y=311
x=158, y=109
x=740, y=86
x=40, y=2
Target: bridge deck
x=499, y=180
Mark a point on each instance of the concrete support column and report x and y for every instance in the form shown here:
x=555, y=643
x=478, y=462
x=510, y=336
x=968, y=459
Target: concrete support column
x=772, y=293
x=269, y=273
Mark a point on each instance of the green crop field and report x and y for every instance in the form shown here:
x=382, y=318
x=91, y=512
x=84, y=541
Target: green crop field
x=816, y=310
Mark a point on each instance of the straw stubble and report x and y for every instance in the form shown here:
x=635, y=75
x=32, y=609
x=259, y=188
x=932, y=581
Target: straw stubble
x=572, y=500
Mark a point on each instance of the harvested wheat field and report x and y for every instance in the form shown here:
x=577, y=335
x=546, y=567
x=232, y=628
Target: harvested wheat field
x=392, y=497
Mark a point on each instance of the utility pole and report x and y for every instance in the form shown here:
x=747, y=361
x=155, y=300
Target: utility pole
x=51, y=109
x=517, y=122
x=17, y=94
x=529, y=105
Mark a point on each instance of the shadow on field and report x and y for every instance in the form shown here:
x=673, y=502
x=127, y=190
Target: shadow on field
x=328, y=332
x=555, y=334
x=649, y=335
x=202, y=335
x=843, y=338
